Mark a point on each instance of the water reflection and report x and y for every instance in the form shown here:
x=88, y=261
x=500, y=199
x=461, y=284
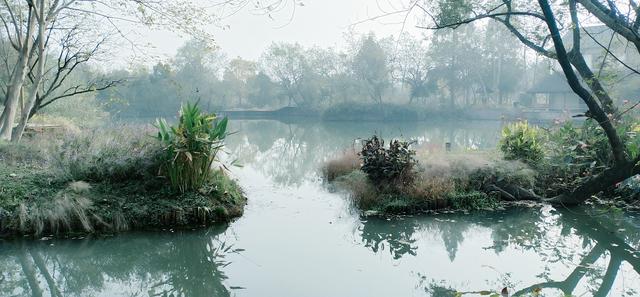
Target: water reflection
x=158, y=264
x=302, y=240
x=397, y=237
x=292, y=153
x=590, y=249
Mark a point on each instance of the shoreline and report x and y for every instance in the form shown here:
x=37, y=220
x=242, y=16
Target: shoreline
x=37, y=205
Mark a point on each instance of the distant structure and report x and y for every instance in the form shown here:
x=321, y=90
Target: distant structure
x=551, y=91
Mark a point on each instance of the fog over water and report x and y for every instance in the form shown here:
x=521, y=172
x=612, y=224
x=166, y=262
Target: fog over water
x=445, y=148
x=299, y=238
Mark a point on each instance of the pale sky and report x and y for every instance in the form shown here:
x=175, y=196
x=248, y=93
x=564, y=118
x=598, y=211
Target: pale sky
x=318, y=22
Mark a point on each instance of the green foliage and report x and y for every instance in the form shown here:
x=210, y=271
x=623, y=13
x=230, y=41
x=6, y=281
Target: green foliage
x=632, y=132
x=391, y=167
x=191, y=146
x=521, y=141
x=472, y=200
x=583, y=147
x=579, y=152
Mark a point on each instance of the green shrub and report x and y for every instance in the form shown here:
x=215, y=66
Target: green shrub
x=579, y=152
x=388, y=168
x=521, y=141
x=191, y=147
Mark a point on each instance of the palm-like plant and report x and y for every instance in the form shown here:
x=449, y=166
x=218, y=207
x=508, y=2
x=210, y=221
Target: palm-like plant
x=191, y=146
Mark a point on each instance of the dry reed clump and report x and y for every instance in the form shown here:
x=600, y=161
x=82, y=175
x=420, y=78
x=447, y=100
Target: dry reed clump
x=471, y=171
x=436, y=187
x=126, y=153
x=443, y=180
x=343, y=165
x=364, y=195
x=65, y=212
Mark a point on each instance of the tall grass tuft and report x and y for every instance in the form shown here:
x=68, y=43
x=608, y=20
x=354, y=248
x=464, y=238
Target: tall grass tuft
x=113, y=155
x=66, y=211
x=191, y=146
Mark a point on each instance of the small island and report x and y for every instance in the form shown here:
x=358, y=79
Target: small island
x=531, y=164
x=115, y=179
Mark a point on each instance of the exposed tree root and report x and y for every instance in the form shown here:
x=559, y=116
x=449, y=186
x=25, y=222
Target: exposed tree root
x=592, y=186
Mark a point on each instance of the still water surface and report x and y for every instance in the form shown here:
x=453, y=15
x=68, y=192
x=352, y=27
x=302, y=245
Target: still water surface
x=298, y=238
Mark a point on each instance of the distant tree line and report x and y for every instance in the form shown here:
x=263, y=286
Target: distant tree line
x=479, y=65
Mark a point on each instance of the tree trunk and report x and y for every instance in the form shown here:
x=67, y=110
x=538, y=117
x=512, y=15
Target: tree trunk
x=609, y=19
x=596, y=111
x=623, y=168
x=2, y=116
x=33, y=92
x=39, y=261
x=30, y=273
x=594, y=185
x=17, y=79
x=606, y=179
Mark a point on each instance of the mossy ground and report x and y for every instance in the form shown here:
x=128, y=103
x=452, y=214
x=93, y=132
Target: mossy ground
x=99, y=182
x=35, y=202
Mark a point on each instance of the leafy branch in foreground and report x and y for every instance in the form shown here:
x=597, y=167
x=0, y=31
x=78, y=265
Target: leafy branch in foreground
x=191, y=146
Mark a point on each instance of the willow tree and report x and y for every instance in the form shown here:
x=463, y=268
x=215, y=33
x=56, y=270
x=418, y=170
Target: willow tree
x=537, y=25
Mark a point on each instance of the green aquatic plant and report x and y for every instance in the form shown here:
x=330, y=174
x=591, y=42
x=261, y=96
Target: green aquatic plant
x=191, y=146
x=521, y=141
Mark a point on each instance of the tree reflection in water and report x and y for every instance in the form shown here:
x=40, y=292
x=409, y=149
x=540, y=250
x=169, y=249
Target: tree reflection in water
x=293, y=153
x=595, y=245
x=177, y=263
x=379, y=234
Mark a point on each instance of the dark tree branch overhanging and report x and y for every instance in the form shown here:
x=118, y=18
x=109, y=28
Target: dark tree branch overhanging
x=614, y=20
x=601, y=107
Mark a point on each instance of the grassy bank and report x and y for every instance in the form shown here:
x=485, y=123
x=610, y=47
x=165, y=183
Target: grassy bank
x=103, y=180
x=438, y=182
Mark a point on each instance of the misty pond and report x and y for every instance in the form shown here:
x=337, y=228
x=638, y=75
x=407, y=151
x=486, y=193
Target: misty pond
x=300, y=238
